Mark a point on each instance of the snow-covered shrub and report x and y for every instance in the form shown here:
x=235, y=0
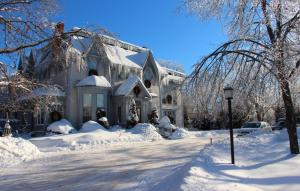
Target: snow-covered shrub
x=165, y=127
x=62, y=126
x=15, y=150
x=166, y=123
x=104, y=122
x=179, y=133
x=133, y=118
x=153, y=118
x=91, y=126
x=146, y=130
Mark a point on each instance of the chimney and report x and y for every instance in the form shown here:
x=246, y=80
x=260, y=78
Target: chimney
x=59, y=28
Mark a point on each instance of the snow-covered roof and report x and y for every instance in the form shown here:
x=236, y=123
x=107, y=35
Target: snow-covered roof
x=129, y=84
x=119, y=55
x=81, y=44
x=48, y=91
x=173, y=71
x=44, y=91
x=93, y=80
x=176, y=79
x=153, y=95
x=139, y=58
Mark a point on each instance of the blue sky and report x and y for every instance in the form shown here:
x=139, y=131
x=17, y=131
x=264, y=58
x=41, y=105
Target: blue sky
x=155, y=24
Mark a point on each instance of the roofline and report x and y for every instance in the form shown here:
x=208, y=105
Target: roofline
x=110, y=40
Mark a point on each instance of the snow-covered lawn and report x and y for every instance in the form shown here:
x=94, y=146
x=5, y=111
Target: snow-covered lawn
x=92, y=135
x=262, y=161
x=16, y=150
x=95, y=158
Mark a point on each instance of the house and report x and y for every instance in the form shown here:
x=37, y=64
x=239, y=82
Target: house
x=96, y=73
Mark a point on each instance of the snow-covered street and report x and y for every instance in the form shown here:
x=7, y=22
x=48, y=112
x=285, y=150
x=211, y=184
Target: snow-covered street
x=158, y=165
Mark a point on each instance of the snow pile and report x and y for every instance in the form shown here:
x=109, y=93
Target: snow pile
x=148, y=131
x=166, y=123
x=179, y=133
x=63, y=127
x=15, y=150
x=92, y=134
x=256, y=155
x=91, y=126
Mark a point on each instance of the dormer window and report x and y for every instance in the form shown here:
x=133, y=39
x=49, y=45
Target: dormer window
x=147, y=83
x=93, y=72
x=136, y=90
x=169, y=99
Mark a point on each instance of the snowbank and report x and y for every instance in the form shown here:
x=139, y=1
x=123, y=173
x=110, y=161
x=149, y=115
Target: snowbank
x=63, y=126
x=16, y=150
x=166, y=123
x=262, y=162
x=147, y=130
x=91, y=126
x=92, y=134
x=180, y=133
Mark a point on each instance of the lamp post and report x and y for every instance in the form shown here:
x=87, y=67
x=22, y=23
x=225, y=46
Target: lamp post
x=228, y=91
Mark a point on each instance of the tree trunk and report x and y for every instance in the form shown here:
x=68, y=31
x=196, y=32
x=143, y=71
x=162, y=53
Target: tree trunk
x=290, y=116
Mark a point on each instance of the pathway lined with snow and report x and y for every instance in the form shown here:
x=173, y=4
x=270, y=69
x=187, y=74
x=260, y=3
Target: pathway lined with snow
x=159, y=165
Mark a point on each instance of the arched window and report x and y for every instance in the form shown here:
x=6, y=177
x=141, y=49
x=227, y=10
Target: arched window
x=136, y=90
x=169, y=99
x=93, y=72
x=147, y=83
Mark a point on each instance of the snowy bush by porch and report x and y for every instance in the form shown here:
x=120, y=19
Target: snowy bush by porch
x=148, y=131
x=104, y=122
x=166, y=123
x=63, y=127
x=16, y=150
x=92, y=134
x=132, y=118
x=90, y=126
x=179, y=133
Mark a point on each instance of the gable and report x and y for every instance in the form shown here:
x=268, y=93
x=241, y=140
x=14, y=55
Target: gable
x=128, y=85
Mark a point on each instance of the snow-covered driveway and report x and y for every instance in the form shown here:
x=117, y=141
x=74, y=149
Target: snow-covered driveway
x=158, y=165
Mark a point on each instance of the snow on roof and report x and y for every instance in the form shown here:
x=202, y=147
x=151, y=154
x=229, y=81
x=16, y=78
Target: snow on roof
x=139, y=58
x=93, y=80
x=172, y=70
x=153, y=95
x=117, y=42
x=119, y=55
x=44, y=91
x=129, y=84
x=48, y=91
x=176, y=79
x=82, y=44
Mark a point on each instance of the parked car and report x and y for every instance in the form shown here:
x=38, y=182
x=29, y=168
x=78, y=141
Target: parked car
x=279, y=125
x=251, y=127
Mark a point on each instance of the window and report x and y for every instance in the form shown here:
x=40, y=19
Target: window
x=147, y=83
x=93, y=72
x=119, y=114
x=87, y=107
x=169, y=99
x=100, y=101
x=92, y=64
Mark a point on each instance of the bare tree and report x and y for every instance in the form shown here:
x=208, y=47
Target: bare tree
x=263, y=47
x=25, y=23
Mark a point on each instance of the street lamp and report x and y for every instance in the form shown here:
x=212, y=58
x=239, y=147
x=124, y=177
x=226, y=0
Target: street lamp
x=228, y=91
